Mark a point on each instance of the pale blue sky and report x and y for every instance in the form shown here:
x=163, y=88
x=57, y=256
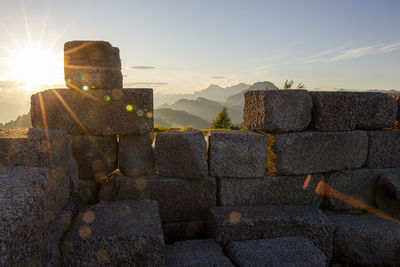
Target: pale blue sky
x=190, y=44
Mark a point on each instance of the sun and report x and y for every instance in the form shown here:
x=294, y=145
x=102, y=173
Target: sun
x=34, y=66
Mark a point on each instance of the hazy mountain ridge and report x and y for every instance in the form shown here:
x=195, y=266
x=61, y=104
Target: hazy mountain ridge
x=177, y=118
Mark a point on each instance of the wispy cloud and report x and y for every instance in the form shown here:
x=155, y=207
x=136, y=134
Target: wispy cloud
x=354, y=53
x=10, y=84
x=390, y=48
x=141, y=67
x=259, y=69
x=332, y=55
x=155, y=84
x=219, y=77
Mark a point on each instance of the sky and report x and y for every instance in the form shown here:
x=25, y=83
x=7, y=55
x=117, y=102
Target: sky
x=181, y=46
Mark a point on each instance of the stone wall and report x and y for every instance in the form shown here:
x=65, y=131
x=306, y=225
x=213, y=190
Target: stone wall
x=317, y=174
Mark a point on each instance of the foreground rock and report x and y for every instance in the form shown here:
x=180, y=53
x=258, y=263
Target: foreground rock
x=100, y=112
x=90, y=65
x=366, y=240
x=353, y=190
x=240, y=223
x=315, y=152
x=375, y=110
x=39, y=148
x=179, y=199
x=277, y=110
x=276, y=252
x=30, y=199
x=388, y=194
x=181, y=154
x=96, y=155
x=383, y=149
x=118, y=233
x=196, y=253
x=237, y=154
x=269, y=190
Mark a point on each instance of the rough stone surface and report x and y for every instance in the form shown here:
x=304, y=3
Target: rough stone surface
x=30, y=199
x=135, y=154
x=237, y=153
x=38, y=148
x=57, y=229
x=179, y=199
x=366, y=240
x=315, y=152
x=334, y=111
x=277, y=110
x=276, y=252
x=100, y=112
x=351, y=190
x=375, y=110
x=95, y=64
x=396, y=96
x=383, y=149
x=121, y=233
x=180, y=231
x=388, y=194
x=269, y=190
x=240, y=223
x=96, y=155
x=181, y=154
x=196, y=253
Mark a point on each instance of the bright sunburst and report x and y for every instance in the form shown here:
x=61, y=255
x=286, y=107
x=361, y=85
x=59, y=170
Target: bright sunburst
x=33, y=66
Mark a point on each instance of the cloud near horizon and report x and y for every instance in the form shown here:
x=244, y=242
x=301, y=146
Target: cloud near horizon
x=141, y=67
x=332, y=56
x=155, y=84
x=219, y=77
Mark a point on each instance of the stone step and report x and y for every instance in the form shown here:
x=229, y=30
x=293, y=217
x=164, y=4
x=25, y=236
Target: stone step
x=126, y=233
x=186, y=230
x=366, y=240
x=30, y=199
x=179, y=199
x=104, y=112
x=240, y=223
x=195, y=253
x=383, y=149
x=276, y=252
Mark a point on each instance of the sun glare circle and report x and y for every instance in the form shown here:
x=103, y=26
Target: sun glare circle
x=33, y=65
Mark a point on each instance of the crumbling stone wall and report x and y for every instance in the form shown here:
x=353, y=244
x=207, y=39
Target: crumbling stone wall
x=316, y=174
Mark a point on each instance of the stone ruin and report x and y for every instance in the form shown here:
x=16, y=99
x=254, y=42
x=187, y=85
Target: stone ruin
x=315, y=181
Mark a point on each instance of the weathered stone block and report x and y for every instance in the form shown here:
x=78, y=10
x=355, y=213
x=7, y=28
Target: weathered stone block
x=334, y=111
x=92, y=65
x=276, y=252
x=277, y=110
x=181, y=154
x=30, y=199
x=135, y=154
x=239, y=223
x=179, y=199
x=366, y=240
x=396, y=96
x=315, y=152
x=383, y=149
x=99, y=112
x=375, y=110
x=237, y=154
x=39, y=148
x=181, y=231
x=269, y=190
x=352, y=190
x=96, y=155
x=125, y=233
x=196, y=253
x=388, y=194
